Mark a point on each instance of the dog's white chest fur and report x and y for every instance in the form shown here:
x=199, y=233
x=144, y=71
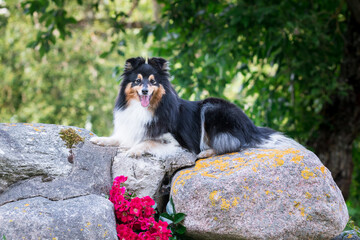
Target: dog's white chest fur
x=130, y=124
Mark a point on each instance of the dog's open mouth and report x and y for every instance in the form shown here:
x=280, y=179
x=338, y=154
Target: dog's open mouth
x=145, y=100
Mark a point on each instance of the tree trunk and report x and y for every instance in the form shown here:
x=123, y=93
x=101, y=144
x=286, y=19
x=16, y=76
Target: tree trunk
x=334, y=140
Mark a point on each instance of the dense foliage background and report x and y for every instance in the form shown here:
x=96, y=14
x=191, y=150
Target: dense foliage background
x=281, y=61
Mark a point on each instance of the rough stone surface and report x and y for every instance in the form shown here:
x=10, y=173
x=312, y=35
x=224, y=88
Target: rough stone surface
x=147, y=175
x=89, y=174
x=35, y=144
x=87, y=217
x=260, y=194
x=35, y=171
x=347, y=235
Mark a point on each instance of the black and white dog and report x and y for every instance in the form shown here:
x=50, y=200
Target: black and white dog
x=147, y=107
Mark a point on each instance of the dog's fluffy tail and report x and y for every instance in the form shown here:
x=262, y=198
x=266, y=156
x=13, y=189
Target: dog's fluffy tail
x=278, y=140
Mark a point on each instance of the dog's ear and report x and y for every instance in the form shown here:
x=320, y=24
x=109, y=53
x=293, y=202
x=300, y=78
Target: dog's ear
x=159, y=63
x=133, y=63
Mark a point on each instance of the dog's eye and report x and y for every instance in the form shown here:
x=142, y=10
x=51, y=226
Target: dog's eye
x=137, y=81
x=152, y=81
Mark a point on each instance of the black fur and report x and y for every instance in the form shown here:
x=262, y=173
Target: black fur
x=227, y=128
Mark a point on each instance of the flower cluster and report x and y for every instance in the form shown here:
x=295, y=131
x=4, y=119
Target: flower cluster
x=135, y=216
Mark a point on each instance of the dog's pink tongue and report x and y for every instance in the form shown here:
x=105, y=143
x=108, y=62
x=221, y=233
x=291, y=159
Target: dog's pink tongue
x=145, y=100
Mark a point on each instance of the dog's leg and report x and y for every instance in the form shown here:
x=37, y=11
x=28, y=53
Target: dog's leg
x=105, y=141
x=161, y=148
x=142, y=148
x=207, y=153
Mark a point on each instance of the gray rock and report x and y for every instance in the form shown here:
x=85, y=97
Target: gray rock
x=260, y=194
x=87, y=217
x=41, y=168
x=43, y=195
x=347, y=235
x=147, y=175
x=28, y=150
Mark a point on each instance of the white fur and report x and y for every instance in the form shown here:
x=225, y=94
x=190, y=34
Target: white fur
x=203, y=138
x=279, y=141
x=165, y=146
x=129, y=126
x=225, y=142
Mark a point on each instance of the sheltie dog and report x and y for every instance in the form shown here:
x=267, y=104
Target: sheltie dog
x=148, y=108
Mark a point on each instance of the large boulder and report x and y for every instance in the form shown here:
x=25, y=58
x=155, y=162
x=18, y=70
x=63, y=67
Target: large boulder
x=260, y=194
x=36, y=172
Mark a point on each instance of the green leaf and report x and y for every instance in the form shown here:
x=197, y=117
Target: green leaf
x=180, y=229
x=167, y=216
x=32, y=44
x=179, y=217
x=105, y=54
x=170, y=208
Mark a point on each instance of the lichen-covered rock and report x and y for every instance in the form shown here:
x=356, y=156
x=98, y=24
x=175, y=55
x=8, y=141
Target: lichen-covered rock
x=87, y=217
x=147, y=175
x=347, y=235
x=260, y=194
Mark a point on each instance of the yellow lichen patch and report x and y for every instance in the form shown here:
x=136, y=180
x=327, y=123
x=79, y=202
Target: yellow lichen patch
x=267, y=192
x=234, y=153
x=215, y=218
x=308, y=195
x=206, y=174
x=307, y=173
x=309, y=217
x=212, y=198
x=235, y=202
x=279, y=191
x=87, y=224
x=322, y=169
x=296, y=204
x=279, y=162
x=248, y=153
x=225, y=204
x=297, y=159
x=302, y=211
x=36, y=129
x=26, y=205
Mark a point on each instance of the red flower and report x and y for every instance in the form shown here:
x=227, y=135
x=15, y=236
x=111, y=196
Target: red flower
x=120, y=179
x=135, y=214
x=125, y=233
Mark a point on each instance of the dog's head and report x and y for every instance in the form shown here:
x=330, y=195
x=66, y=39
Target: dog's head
x=144, y=81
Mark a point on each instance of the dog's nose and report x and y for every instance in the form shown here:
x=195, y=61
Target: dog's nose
x=145, y=91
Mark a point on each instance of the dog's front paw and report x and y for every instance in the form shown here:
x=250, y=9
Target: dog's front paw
x=135, y=152
x=206, y=154
x=104, y=141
